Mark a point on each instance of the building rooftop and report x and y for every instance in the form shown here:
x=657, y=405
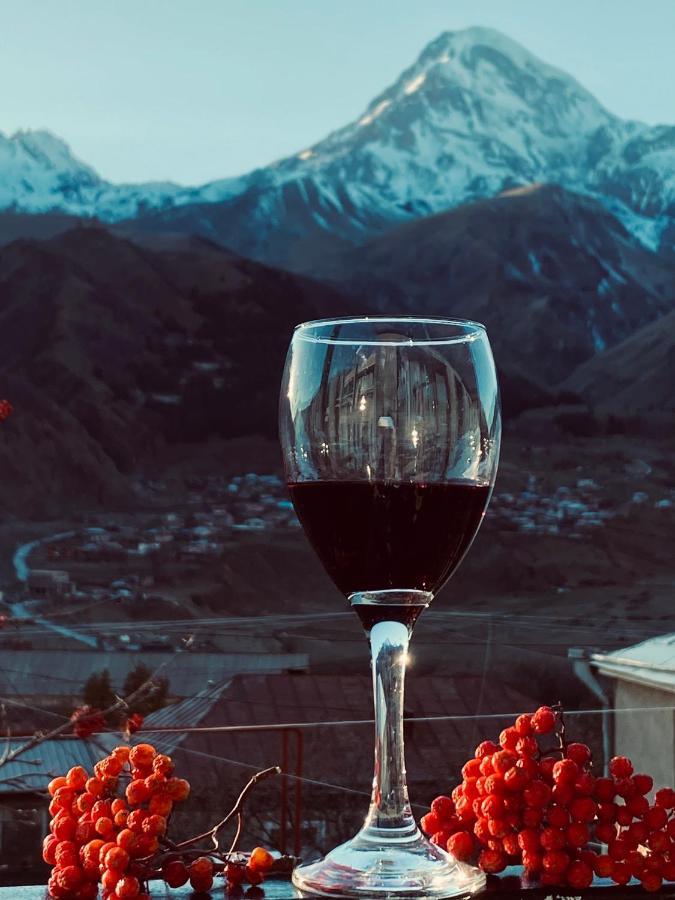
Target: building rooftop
x=53, y=673
x=35, y=769
x=651, y=662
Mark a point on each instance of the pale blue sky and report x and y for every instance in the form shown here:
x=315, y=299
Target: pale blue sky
x=193, y=90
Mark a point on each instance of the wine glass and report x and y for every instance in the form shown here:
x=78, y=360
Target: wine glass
x=390, y=432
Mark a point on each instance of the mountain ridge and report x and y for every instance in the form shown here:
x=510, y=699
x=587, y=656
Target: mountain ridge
x=476, y=113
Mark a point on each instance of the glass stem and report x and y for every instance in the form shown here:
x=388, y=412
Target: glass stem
x=389, y=807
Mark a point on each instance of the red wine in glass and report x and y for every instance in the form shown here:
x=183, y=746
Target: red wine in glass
x=373, y=535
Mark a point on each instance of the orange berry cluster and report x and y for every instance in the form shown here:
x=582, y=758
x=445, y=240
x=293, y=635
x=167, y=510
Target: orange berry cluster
x=98, y=836
x=548, y=812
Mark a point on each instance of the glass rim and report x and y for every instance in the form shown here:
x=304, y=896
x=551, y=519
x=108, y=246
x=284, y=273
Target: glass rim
x=472, y=331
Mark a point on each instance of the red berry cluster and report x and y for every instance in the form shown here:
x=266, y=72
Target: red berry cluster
x=87, y=720
x=98, y=836
x=519, y=805
x=6, y=410
x=110, y=829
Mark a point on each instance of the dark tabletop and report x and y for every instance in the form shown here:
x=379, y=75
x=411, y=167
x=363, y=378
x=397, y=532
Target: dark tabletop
x=282, y=889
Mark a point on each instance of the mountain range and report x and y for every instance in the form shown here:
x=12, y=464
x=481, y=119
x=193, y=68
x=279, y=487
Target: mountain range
x=483, y=183
x=474, y=115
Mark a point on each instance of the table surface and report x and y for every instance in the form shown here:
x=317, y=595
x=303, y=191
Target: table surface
x=282, y=889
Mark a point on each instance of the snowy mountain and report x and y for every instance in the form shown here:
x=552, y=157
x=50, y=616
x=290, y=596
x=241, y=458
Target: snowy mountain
x=39, y=173
x=476, y=114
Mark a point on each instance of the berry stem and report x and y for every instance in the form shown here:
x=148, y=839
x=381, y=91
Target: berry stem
x=236, y=810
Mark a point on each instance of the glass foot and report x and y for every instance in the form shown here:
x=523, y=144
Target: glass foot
x=409, y=866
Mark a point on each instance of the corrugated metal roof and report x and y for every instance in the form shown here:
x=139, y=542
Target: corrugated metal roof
x=337, y=754
x=35, y=769
x=651, y=662
x=52, y=672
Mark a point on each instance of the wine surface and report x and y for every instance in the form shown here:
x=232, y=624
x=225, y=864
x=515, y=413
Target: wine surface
x=374, y=536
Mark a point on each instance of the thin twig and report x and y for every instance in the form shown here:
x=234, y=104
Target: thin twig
x=8, y=733
x=237, y=834
x=213, y=832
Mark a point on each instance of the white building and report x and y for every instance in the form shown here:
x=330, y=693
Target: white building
x=643, y=679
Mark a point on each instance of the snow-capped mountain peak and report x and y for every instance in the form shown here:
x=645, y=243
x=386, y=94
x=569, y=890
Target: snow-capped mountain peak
x=475, y=114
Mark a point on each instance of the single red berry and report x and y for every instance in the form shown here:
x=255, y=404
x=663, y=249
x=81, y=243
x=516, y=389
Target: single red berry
x=134, y=723
x=492, y=861
x=470, y=790
x=651, y=882
x=638, y=833
x=253, y=876
x=510, y=844
x=503, y=760
x=461, y=845
x=552, y=839
x=603, y=790
x=565, y=771
x=537, y=794
x=580, y=753
x=430, y=823
x=492, y=806
x=527, y=746
x=116, y=858
x=578, y=834
x=618, y=849
x=665, y=798
x=234, y=874
x=638, y=805
x=175, y=873
x=440, y=839
x=563, y=793
x=128, y=886
x=532, y=817
x=620, y=767
x=486, y=764
x=620, y=873
x=603, y=866
x=583, y=809
x=546, y=768
x=655, y=817
x=532, y=862
x=528, y=840
x=643, y=783
x=494, y=784
x=669, y=870
x=529, y=767
x=509, y=738
x=607, y=812
x=498, y=828
x=625, y=787
x=584, y=785
x=201, y=867
x=515, y=779
x=543, y=721
x=487, y=748
x=555, y=862
x=523, y=725
x=471, y=768
x=605, y=832
x=557, y=816
x=579, y=875
x=443, y=807
x=658, y=842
